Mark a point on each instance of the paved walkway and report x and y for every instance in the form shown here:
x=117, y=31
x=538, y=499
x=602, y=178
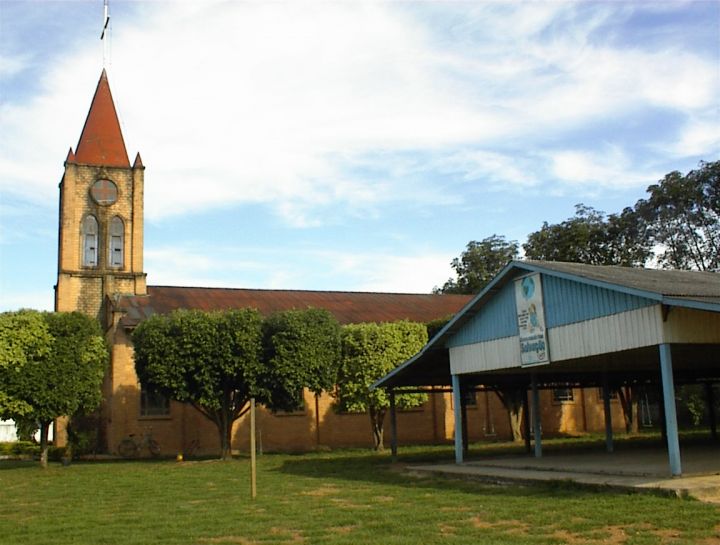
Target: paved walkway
x=642, y=470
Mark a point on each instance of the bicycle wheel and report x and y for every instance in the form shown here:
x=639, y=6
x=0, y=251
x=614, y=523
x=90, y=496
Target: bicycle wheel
x=127, y=448
x=192, y=448
x=154, y=447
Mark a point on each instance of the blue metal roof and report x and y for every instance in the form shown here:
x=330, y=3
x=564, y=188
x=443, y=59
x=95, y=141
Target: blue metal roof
x=573, y=292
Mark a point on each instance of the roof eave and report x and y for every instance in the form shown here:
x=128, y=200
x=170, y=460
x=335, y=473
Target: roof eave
x=589, y=281
x=691, y=303
x=462, y=316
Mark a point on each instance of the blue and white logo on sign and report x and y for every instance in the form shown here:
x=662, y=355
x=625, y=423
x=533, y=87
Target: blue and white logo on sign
x=528, y=287
x=531, y=321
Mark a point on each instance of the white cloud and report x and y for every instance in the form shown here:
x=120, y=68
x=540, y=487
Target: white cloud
x=700, y=137
x=12, y=65
x=304, y=268
x=310, y=106
x=403, y=274
x=495, y=168
x=608, y=167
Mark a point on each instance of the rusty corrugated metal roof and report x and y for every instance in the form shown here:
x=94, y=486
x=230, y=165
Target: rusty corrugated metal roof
x=347, y=307
x=101, y=141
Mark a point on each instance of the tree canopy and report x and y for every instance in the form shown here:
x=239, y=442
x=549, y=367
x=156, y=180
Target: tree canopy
x=369, y=352
x=301, y=350
x=212, y=360
x=52, y=365
x=682, y=214
x=479, y=263
x=218, y=361
x=593, y=238
x=676, y=226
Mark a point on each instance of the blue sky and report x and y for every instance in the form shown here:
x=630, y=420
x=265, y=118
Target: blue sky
x=349, y=145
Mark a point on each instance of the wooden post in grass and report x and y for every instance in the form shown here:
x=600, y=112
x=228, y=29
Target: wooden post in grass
x=253, y=466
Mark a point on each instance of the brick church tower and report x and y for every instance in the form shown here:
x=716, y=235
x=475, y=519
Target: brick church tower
x=100, y=249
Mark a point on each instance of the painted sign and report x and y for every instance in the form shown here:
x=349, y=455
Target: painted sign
x=531, y=321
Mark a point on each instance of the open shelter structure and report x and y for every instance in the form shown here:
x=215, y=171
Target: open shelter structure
x=547, y=324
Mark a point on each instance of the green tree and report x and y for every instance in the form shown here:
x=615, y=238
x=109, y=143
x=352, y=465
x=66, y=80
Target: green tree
x=301, y=350
x=369, y=352
x=512, y=399
x=683, y=218
x=212, y=360
x=434, y=326
x=52, y=365
x=24, y=339
x=479, y=263
x=592, y=238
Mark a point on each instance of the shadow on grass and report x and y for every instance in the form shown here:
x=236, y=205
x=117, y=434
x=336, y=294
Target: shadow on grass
x=379, y=468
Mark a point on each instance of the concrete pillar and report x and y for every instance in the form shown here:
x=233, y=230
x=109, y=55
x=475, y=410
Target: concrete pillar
x=537, y=428
x=457, y=410
x=671, y=428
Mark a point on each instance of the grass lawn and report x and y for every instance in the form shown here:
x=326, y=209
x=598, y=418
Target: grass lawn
x=343, y=497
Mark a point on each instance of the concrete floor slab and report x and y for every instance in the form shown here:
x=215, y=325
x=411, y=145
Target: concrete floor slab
x=642, y=470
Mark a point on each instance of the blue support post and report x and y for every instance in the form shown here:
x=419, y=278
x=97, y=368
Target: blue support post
x=537, y=427
x=671, y=427
x=457, y=401
x=608, y=415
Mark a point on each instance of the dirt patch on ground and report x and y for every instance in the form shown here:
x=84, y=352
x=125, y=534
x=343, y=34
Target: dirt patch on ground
x=347, y=503
x=572, y=539
x=614, y=535
x=292, y=536
x=667, y=535
x=321, y=492
x=232, y=540
x=714, y=540
x=344, y=530
x=477, y=522
x=509, y=526
x=447, y=529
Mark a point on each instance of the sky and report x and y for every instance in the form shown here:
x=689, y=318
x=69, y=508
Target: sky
x=350, y=145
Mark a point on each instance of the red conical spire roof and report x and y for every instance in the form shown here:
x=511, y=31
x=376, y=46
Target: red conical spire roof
x=101, y=142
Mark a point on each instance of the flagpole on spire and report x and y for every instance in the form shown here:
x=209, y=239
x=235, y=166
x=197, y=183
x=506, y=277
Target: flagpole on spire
x=106, y=22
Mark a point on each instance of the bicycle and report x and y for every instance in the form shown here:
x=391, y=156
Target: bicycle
x=192, y=448
x=130, y=447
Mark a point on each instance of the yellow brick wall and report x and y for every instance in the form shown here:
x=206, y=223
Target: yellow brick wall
x=318, y=425
x=299, y=431
x=84, y=288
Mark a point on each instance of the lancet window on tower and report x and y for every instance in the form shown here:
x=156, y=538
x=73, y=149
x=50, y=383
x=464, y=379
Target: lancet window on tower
x=117, y=232
x=90, y=241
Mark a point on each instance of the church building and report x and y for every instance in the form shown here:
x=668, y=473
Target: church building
x=101, y=273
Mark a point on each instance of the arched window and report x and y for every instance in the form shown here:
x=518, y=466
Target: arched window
x=117, y=236
x=90, y=241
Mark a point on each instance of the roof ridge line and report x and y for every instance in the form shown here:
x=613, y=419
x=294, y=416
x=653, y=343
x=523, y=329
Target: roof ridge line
x=307, y=290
